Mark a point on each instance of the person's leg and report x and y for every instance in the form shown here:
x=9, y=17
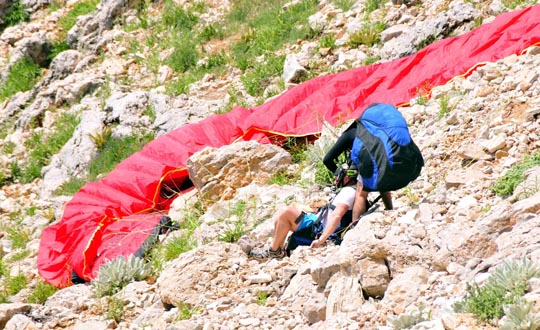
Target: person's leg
x=284, y=221
x=387, y=200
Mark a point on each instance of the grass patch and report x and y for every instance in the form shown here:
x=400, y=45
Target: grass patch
x=369, y=34
x=505, y=185
x=115, y=309
x=114, y=151
x=41, y=293
x=16, y=13
x=56, y=48
x=80, y=8
x=43, y=149
x=372, y=5
x=19, y=235
x=261, y=74
x=344, y=5
x=111, y=151
x=513, y=4
x=14, y=284
x=327, y=41
x=179, y=245
x=22, y=76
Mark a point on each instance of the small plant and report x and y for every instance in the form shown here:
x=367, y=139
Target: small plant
x=233, y=233
x=19, y=235
x=505, y=286
x=14, y=284
x=100, y=137
x=115, y=308
x=422, y=98
x=22, y=76
x=8, y=148
x=327, y=41
x=443, y=106
x=41, y=293
x=258, y=77
x=405, y=321
x=179, y=245
x=506, y=185
x=115, y=275
x=411, y=196
x=262, y=296
x=186, y=311
x=369, y=34
x=521, y=316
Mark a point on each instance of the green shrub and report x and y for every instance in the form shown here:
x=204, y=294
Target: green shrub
x=505, y=286
x=505, y=185
x=41, y=293
x=22, y=76
x=115, y=275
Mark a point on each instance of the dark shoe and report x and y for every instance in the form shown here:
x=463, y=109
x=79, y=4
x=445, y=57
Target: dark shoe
x=267, y=253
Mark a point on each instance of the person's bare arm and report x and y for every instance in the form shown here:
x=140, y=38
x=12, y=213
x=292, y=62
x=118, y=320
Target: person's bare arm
x=331, y=224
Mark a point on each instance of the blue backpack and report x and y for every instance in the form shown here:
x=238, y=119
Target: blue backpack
x=383, y=150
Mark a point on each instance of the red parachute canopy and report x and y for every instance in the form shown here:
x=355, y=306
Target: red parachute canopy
x=111, y=217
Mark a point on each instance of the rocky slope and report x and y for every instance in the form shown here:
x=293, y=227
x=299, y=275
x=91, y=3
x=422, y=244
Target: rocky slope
x=448, y=228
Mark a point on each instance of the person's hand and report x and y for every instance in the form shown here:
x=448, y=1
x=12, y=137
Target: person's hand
x=316, y=243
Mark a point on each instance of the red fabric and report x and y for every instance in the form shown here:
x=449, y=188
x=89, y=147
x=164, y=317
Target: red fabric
x=133, y=187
